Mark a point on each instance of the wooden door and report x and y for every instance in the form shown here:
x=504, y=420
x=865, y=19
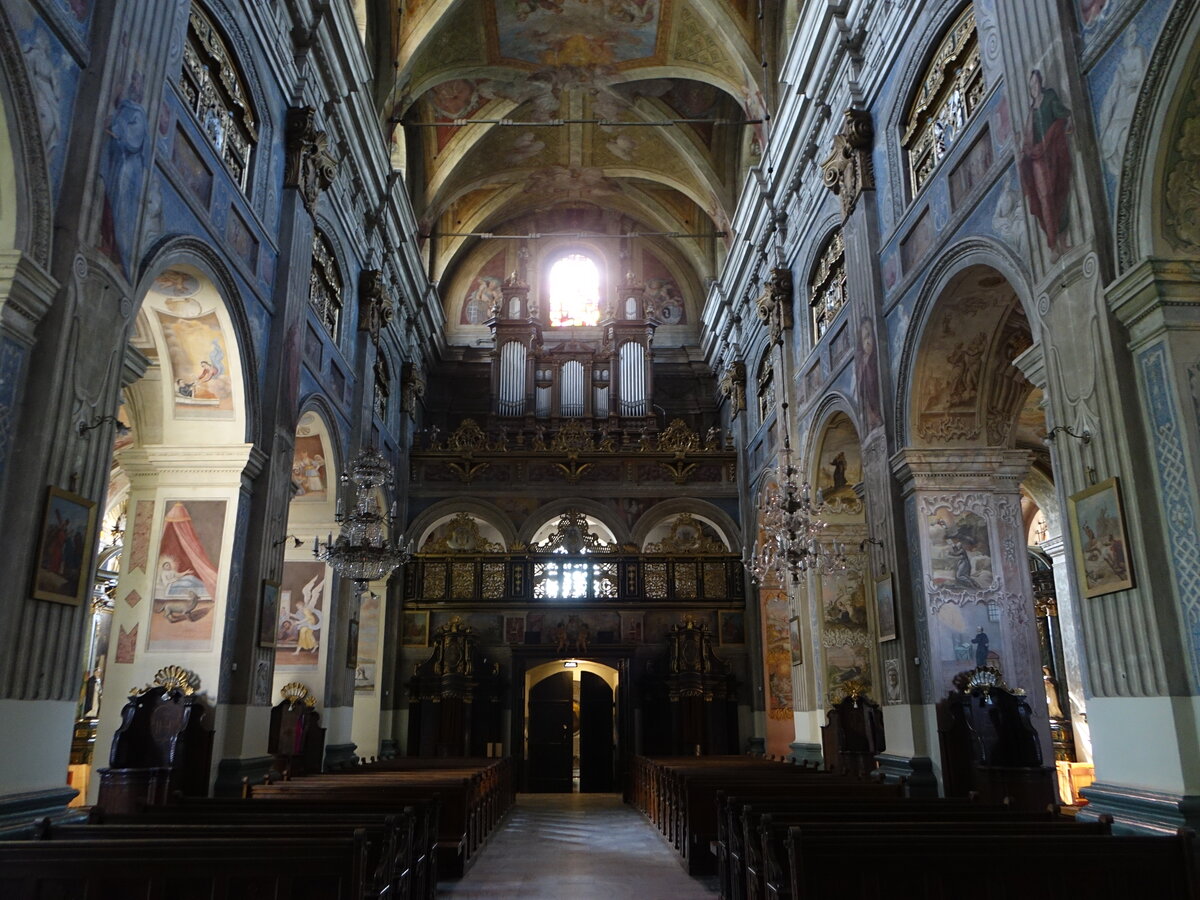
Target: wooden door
x=595, y=735
x=550, y=734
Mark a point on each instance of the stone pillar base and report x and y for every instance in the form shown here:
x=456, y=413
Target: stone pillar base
x=1138, y=811
x=19, y=812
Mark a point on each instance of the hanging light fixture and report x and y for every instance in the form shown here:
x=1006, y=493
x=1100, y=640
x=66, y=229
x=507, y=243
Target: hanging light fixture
x=364, y=550
x=790, y=529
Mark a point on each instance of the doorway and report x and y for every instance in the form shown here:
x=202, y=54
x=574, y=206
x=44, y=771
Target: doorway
x=570, y=727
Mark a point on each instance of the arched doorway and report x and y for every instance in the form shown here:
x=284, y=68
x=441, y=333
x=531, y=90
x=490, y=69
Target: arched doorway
x=571, y=734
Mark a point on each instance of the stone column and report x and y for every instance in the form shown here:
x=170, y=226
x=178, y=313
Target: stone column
x=975, y=597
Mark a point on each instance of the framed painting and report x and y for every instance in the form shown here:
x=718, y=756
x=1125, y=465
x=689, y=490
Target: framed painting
x=514, y=628
x=794, y=641
x=268, y=615
x=1101, y=547
x=732, y=627
x=64, y=548
x=885, y=608
x=415, y=629
x=352, y=645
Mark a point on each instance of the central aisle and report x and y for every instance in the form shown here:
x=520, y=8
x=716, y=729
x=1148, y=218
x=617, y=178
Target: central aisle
x=577, y=846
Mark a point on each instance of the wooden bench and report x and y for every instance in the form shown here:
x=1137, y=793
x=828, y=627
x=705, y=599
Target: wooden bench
x=992, y=867
x=185, y=869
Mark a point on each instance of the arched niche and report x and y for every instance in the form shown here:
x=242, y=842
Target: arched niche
x=964, y=389
x=684, y=534
x=460, y=532
x=546, y=530
x=315, y=470
x=601, y=519
x=194, y=393
x=836, y=466
x=483, y=512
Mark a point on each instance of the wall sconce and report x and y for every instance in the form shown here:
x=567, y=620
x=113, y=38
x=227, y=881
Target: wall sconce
x=862, y=545
x=296, y=542
x=1085, y=437
x=85, y=427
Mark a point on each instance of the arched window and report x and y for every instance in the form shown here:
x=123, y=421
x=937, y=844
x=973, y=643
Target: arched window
x=325, y=285
x=215, y=92
x=574, y=291
x=827, y=288
x=948, y=97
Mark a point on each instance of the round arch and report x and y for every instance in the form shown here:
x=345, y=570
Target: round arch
x=424, y=522
x=25, y=195
x=957, y=259
x=190, y=252
x=1152, y=135
x=555, y=508
x=701, y=509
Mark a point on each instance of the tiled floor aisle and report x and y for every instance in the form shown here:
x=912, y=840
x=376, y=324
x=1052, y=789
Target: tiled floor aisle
x=569, y=846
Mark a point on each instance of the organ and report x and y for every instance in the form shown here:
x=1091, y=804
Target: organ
x=542, y=372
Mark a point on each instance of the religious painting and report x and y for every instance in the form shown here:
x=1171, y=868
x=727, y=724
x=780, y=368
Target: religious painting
x=514, y=628
x=892, y=690
x=309, y=475
x=846, y=665
x=194, y=174
x=352, y=645
x=485, y=292
x=1101, y=546
x=64, y=548
x=414, y=629
x=885, y=608
x=268, y=614
x=187, y=577
x=664, y=299
x=199, y=367
x=370, y=609
x=866, y=372
x=794, y=636
x=959, y=550
x=731, y=627
x=127, y=645
x=1091, y=12
x=535, y=624
x=633, y=627
x=458, y=98
x=124, y=155
x=301, y=622
x=840, y=466
x=577, y=33
x=1045, y=161
x=843, y=604
x=970, y=636
x=778, y=644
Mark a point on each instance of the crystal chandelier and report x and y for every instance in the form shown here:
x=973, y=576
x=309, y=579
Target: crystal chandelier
x=790, y=529
x=363, y=550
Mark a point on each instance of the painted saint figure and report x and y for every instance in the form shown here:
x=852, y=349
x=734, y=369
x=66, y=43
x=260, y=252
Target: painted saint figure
x=1046, y=162
x=981, y=648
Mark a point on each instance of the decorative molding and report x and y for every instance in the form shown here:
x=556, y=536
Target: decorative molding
x=374, y=303
x=310, y=168
x=774, y=305
x=849, y=170
x=733, y=387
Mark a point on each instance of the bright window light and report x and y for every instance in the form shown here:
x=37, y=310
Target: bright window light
x=574, y=291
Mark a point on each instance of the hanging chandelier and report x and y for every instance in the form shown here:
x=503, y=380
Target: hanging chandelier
x=364, y=550
x=790, y=529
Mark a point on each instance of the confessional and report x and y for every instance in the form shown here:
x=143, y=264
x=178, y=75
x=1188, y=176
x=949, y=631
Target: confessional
x=454, y=697
x=161, y=746
x=853, y=734
x=297, y=739
x=989, y=745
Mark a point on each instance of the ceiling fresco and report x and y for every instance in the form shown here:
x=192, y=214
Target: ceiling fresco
x=647, y=109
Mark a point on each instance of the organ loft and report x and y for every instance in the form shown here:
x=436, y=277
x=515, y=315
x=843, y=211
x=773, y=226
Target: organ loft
x=726, y=431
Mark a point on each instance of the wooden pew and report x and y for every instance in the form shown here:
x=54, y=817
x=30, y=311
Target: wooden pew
x=185, y=869
x=388, y=864
x=996, y=867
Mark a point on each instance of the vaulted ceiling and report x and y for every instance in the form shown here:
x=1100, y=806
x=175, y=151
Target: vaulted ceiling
x=509, y=112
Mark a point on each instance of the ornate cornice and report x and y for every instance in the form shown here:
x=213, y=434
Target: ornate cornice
x=310, y=168
x=849, y=171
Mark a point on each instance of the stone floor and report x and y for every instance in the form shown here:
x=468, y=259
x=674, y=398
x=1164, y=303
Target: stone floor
x=577, y=847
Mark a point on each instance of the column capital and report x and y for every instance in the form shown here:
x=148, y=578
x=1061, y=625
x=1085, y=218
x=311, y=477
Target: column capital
x=26, y=292
x=1154, y=296
x=963, y=468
